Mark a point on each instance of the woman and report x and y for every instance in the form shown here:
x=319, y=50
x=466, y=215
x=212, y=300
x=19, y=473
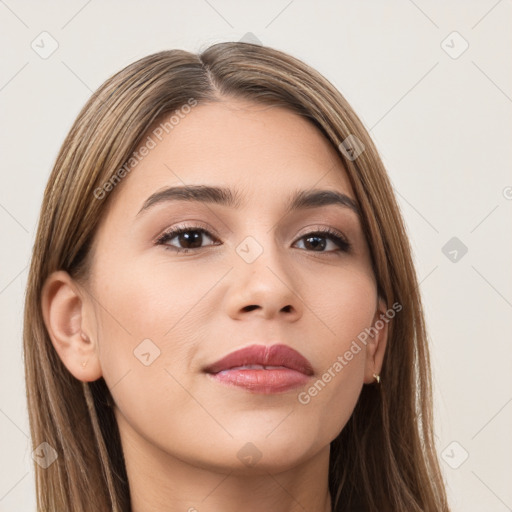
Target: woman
x=222, y=309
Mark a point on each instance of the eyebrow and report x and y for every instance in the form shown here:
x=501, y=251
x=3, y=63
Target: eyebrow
x=301, y=199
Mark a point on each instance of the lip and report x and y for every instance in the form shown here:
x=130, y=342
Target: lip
x=288, y=369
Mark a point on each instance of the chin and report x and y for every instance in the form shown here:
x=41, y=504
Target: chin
x=278, y=450
x=263, y=457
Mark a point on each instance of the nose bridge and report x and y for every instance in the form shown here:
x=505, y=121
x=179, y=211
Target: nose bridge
x=262, y=279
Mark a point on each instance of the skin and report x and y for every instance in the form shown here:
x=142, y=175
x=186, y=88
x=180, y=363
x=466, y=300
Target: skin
x=181, y=432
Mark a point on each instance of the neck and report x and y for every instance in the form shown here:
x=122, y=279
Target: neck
x=160, y=482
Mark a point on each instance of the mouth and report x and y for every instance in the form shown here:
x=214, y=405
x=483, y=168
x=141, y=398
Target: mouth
x=262, y=369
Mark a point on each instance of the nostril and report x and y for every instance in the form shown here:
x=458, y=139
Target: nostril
x=250, y=308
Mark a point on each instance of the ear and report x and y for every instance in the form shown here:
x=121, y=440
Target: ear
x=376, y=345
x=67, y=318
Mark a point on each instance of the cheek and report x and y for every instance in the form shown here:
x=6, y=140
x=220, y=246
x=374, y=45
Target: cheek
x=345, y=301
x=346, y=307
x=150, y=321
x=155, y=302
x=330, y=400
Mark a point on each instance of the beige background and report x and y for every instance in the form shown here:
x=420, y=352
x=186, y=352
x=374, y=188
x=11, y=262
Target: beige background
x=440, y=117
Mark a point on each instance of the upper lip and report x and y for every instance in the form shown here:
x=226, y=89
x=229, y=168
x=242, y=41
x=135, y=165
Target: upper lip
x=273, y=355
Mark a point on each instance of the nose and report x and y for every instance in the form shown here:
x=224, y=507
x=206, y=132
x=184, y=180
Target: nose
x=264, y=287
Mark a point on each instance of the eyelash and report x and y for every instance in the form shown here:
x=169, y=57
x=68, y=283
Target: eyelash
x=337, y=237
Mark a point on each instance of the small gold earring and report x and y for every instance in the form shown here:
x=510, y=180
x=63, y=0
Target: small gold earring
x=84, y=364
x=376, y=377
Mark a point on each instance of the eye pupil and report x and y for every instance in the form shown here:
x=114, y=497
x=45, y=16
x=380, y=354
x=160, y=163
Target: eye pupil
x=194, y=240
x=319, y=242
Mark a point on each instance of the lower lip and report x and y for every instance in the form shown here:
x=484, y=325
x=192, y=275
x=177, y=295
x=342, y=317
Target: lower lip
x=262, y=381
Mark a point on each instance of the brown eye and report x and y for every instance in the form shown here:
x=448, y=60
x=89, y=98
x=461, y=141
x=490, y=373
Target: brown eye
x=320, y=240
x=186, y=239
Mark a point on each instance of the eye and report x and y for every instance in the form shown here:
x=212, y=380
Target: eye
x=187, y=238
x=318, y=240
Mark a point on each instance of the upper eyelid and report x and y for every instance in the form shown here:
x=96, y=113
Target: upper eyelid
x=178, y=230
x=333, y=212
x=197, y=226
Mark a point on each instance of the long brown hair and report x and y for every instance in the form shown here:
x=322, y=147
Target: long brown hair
x=384, y=459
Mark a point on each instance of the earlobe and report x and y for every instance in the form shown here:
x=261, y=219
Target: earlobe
x=376, y=346
x=66, y=317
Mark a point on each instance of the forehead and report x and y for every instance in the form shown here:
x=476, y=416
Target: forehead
x=260, y=151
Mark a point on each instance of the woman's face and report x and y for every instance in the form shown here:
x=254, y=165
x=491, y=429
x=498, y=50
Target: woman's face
x=246, y=271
